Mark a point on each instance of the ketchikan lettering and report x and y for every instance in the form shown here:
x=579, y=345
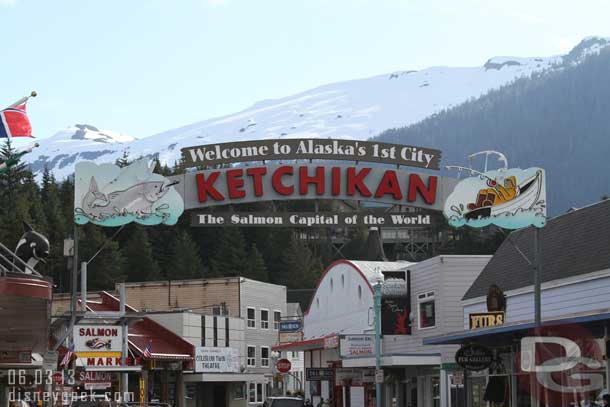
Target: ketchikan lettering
x=288, y=180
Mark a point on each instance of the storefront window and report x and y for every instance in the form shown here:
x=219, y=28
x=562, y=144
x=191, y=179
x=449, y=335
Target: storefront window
x=427, y=312
x=259, y=392
x=436, y=391
x=239, y=391
x=252, y=393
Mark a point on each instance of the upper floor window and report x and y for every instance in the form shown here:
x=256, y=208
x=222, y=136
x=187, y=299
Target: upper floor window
x=426, y=310
x=251, y=317
x=251, y=362
x=277, y=316
x=264, y=356
x=264, y=319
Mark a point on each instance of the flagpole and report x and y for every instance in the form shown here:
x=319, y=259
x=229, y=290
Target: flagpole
x=24, y=99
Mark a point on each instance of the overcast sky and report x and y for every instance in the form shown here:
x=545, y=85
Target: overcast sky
x=142, y=67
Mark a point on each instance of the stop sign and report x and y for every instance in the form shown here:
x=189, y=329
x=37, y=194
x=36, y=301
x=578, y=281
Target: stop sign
x=283, y=366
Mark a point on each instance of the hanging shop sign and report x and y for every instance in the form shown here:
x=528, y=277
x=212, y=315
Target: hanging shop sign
x=319, y=374
x=216, y=360
x=97, y=338
x=331, y=342
x=291, y=326
x=283, y=365
x=325, y=149
x=356, y=345
x=509, y=198
x=486, y=319
x=307, y=219
x=290, y=337
x=203, y=189
x=108, y=195
x=12, y=356
x=396, y=305
x=474, y=357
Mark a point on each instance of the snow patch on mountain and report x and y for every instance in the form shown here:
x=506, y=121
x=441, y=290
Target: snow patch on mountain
x=355, y=109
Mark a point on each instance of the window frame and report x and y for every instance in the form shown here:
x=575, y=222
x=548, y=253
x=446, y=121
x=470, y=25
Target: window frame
x=423, y=298
x=248, y=320
x=267, y=358
x=262, y=326
x=276, y=322
x=259, y=395
x=251, y=392
x=248, y=358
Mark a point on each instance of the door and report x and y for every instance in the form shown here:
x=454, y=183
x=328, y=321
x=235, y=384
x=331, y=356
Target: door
x=220, y=395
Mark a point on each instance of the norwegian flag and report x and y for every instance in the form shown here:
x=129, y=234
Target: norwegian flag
x=14, y=122
x=147, y=351
x=67, y=357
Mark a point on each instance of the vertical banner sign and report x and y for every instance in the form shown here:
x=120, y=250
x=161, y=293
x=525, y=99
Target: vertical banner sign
x=142, y=391
x=396, y=305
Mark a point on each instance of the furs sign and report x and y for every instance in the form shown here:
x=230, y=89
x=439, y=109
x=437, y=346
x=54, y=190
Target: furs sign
x=312, y=181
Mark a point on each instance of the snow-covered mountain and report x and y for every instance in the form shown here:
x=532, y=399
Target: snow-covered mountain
x=356, y=109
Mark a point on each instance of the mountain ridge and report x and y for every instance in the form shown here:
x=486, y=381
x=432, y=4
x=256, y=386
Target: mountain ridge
x=355, y=109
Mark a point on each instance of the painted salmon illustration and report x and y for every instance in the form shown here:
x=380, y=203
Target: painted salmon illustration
x=97, y=343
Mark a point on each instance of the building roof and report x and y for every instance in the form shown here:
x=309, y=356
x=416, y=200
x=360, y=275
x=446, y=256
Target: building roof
x=302, y=296
x=572, y=244
x=164, y=343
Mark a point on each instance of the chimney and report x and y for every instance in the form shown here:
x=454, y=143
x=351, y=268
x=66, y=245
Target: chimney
x=373, y=249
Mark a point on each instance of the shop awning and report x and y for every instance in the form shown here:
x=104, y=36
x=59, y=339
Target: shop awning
x=307, y=344
x=418, y=359
x=510, y=331
x=222, y=377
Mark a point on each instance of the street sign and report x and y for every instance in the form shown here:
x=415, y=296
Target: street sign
x=379, y=376
x=283, y=365
x=290, y=326
x=49, y=361
x=317, y=374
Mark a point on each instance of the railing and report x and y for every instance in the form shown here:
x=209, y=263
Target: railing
x=10, y=263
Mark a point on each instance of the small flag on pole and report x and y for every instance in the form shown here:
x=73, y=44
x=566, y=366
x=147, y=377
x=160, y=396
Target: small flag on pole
x=14, y=121
x=67, y=357
x=147, y=351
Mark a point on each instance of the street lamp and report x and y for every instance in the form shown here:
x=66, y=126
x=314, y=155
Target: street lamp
x=377, y=304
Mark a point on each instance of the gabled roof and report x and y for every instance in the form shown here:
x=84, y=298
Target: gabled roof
x=164, y=343
x=572, y=244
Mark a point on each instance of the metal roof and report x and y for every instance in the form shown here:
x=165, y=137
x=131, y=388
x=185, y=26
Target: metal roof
x=574, y=243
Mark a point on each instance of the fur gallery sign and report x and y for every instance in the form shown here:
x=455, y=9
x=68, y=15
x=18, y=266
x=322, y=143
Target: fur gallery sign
x=324, y=149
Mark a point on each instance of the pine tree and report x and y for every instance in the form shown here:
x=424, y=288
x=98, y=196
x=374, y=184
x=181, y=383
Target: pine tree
x=138, y=257
x=255, y=265
x=230, y=258
x=105, y=270
x=184, y=261
x=301, y=268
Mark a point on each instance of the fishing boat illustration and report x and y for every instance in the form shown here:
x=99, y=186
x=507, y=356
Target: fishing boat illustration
x=98, y=343
x=509, y=198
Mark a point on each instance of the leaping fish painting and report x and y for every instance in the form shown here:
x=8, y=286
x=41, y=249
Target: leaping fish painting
x=509, y=198
x=108, y=195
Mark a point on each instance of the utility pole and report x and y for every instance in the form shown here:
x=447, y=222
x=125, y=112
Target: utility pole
x=377, y=306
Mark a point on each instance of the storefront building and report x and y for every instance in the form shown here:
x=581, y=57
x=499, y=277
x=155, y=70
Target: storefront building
x=24, y=334
x=498, y=315
x=338, y=332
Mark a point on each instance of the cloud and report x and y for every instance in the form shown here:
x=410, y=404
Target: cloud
x=10, y=3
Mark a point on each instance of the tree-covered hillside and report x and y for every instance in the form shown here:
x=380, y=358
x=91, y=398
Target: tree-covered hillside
x=558, y=120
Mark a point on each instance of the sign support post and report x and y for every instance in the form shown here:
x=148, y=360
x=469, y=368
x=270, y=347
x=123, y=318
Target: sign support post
x=537, y=278
x=377, y=303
